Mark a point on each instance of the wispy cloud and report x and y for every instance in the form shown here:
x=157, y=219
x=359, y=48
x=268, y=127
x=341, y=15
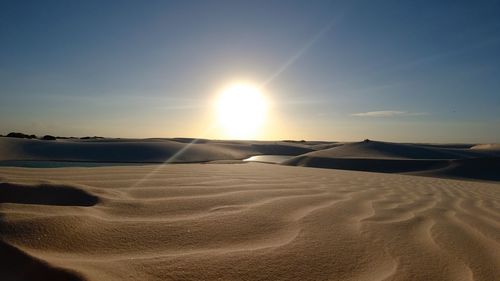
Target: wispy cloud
x=388, y=113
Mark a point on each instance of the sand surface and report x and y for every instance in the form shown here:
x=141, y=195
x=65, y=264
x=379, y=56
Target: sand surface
x=244, y=222
x=481, y=162
x=459, y=161
x=142, y=150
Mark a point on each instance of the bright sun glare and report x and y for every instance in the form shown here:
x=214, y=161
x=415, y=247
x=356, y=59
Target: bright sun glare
x=241, y=110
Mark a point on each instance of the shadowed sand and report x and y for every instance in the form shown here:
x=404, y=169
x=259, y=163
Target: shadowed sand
x=245, y=222
x=142, y=150
x=461, y=161
x=17, y=265
x=45, y=194
x=478, y=162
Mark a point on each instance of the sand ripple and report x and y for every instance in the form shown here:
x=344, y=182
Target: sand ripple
x=245, y=222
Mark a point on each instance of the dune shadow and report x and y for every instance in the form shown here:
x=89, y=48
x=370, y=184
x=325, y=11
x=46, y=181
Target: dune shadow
x=45, y=194
x=480, y=168
x=18, y=265
x=474, y=168
x=368, y=164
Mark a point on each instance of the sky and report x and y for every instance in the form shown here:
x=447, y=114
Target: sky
x=409, y=71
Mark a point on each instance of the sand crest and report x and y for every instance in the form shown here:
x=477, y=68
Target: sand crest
x=452, y=161
x=142, y=150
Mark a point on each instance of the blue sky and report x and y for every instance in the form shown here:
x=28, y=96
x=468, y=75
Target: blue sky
x=425, y=71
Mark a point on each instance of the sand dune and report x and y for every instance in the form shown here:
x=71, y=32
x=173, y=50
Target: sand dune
x=464, y=161
x=142, y=151
x=475, y=168
x=489, y=146
x=424, y=160
x=388, y=150
x=244, y=222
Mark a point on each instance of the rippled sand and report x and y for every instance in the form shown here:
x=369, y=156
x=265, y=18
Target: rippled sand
x=244, y=222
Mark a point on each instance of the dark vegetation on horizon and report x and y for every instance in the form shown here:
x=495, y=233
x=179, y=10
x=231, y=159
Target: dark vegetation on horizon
x=46, y=137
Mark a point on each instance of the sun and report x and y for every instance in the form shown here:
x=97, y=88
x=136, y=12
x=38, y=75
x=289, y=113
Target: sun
x=241, y=110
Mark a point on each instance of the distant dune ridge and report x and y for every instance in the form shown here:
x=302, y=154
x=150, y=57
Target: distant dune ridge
x=489, y=146
x=144, y=150
x=244, y=222
x=450, y=161
x=423, y=160
x=387, y=150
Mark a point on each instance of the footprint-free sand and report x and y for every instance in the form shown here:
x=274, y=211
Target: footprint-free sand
x=244, y=222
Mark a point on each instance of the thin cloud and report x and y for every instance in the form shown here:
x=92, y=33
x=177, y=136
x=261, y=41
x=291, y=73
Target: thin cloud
x=388, y=113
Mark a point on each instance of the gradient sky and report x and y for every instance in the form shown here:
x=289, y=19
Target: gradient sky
x=422, y=71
